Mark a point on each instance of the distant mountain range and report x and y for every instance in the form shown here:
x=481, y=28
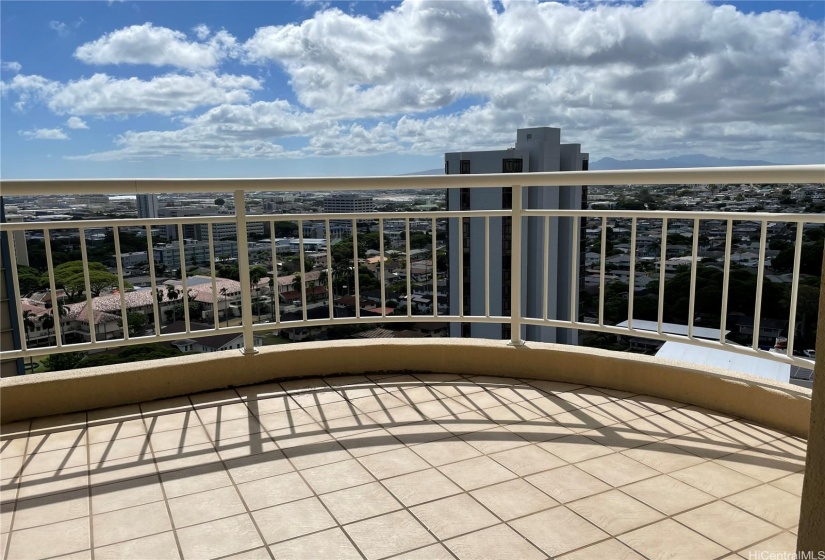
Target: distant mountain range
x=692, y=160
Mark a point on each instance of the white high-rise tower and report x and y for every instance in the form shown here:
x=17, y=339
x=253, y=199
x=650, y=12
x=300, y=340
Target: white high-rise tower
x=147, y=205
x=536, y=149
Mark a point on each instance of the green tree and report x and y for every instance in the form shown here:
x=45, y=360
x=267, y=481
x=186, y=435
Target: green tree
x=30, y=279
x=29, y=324
x=69, y=276
x=226, y=306
x=273, y=296
x=285, y=229
x=136, y=321
x=227, y=271
x=810, y=258
x=130, y=354
x=256, y=273
x=297, y=278
x=63, y=361
x=419, y=240
x=195, y=309
x=48, y=321
x=441, y=261
x=371, y=241
x=172, y=294
x=219, y=202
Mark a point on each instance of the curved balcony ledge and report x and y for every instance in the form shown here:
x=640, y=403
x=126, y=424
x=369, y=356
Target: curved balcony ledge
x=775, y=405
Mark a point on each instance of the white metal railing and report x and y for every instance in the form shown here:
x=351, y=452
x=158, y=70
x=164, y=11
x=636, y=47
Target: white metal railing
x=519, y=215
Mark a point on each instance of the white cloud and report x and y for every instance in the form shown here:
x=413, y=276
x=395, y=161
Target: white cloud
x=619, y=77
x=61, y=28
x=11, y=66
x=625, y=80
x=157, y=46
x=202, y=31
x=76, y=122
x=44, y=134
x=29, y=88
x=104, y=95
x=224, y=132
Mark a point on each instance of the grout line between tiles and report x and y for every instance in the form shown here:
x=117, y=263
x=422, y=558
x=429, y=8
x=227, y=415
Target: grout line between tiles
x=232, y=480
x=163, y=490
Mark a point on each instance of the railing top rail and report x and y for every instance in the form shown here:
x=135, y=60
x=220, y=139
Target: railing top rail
x=704, y=175
x=779, y=217
x=254, y=218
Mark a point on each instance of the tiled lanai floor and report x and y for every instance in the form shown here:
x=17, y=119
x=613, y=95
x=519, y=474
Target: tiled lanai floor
x=424, y=466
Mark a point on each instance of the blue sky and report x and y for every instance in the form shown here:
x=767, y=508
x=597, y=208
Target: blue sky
x=221, y=89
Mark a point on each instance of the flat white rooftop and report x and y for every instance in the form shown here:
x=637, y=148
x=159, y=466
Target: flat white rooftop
x=674, y=328
x=750, y=365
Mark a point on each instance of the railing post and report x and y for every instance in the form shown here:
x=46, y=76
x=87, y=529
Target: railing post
x=515, y=270
x=243, y=273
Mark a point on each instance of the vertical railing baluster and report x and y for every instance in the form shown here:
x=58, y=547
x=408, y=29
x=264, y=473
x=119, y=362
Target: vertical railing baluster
x=301, y=260
x=723, y=323
x=183, y=286
x=461, y=267
x=409, y=271
x=601, y=271
x=515, y=275
x=90, y=312
x=150, y=253
x=355, y=269
x=760, y=280
x=329, y=271
x=58, y=328
x=575, y=255
x=797, y=259
x=662, y=277
x=545, y=269
x=18, y=297
x=243, y=272
x=434, y=259
x=215, y=309
x=381, y=262
x=276, y=290
x=124, y=314
x=487, y=266
x=632, y=278
x=694, y=268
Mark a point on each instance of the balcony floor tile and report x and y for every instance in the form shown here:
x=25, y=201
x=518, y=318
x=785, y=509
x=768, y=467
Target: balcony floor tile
x=495, y=543
x=404, y=466
x=161, y=546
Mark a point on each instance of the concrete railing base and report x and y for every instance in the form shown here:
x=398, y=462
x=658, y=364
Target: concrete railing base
x=774, y=405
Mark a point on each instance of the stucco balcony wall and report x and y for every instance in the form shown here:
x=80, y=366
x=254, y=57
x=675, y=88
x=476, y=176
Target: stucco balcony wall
x=775, y=405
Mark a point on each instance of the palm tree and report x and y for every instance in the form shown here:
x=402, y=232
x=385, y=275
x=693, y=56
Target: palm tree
x=225, y=305
x=48, y=321
x=29, y=325
x=255, y=275
x=297, y=279
x=311, y=287
x=159, y=296
x=171, y=295
x=273, y=296
x=341, y=275
x=323, y=280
